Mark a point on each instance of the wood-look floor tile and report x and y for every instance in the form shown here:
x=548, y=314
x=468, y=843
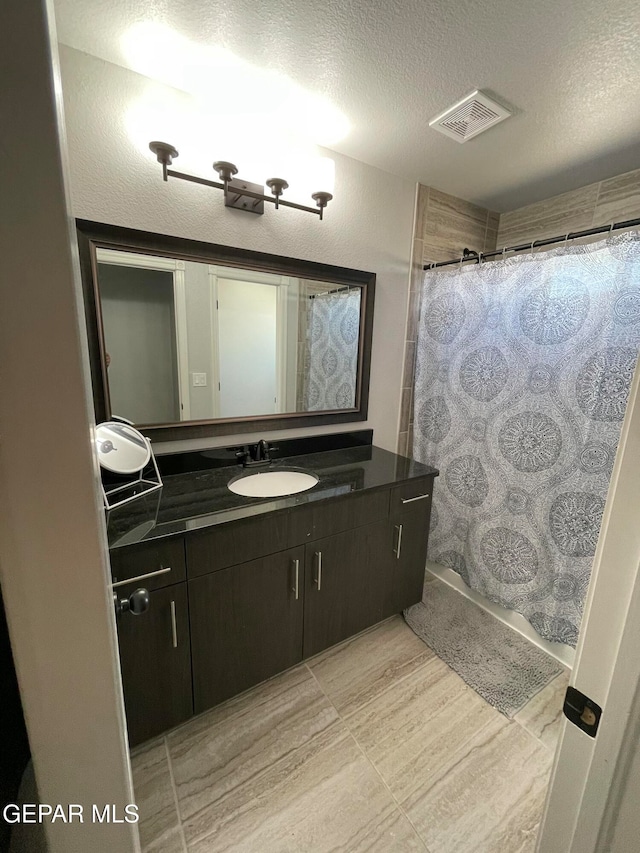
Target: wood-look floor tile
x=230, y=748
x=159, y=824
x=333, y=800
x=359, y=670
x=487, y=796
x=542, y=716
x=410, y=731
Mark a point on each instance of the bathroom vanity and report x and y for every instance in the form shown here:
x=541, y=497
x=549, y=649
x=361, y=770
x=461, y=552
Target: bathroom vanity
x=243, y=588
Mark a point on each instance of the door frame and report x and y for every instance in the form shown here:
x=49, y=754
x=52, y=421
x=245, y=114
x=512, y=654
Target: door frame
x=587, y=780
x=151, y=262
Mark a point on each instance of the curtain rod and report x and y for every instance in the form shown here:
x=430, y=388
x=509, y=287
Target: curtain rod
x=478, y=257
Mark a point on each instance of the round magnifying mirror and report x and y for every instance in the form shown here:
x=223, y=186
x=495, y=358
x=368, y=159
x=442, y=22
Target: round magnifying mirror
x=121, y=448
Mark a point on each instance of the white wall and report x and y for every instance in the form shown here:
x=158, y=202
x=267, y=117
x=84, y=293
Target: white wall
x=367, y=226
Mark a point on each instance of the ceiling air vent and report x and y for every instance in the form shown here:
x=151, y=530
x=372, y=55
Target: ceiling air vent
x=469, y=117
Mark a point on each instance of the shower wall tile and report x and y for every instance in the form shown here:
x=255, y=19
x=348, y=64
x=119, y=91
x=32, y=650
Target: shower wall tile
x=619, y=199
x=409, y=361
x=422, y=200
x=572, y=211
x=491, y=240
x=613, y=200
x=444, y=204
x=403, y=444
x=450, y=233
x=493, y=220
x=405, y=408
x=416, y=264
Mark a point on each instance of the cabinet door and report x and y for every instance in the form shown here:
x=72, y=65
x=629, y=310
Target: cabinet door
x=347, y=584
x=155, y=661
x=409, y=533
x=246, y=625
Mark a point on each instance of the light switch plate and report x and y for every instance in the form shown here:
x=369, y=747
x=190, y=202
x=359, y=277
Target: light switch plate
x=199, y=380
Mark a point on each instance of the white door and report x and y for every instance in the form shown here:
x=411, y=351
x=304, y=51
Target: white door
x=248, y=348
x=53, y=557
x=587, y=783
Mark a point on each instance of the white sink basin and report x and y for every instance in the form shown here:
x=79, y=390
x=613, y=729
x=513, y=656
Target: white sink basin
x=273, y=484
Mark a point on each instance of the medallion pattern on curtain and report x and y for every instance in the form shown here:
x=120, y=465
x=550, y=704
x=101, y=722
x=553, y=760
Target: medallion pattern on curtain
x=332, y=350
x=523, y=373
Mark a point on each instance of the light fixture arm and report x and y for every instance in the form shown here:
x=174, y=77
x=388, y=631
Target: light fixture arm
x=239, y=194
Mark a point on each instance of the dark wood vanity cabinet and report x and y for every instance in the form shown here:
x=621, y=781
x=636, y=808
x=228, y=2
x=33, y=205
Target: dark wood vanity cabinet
x=348, y=580
x=155, y=661
x=410, y=513
x=246, y=625
x=262, y=594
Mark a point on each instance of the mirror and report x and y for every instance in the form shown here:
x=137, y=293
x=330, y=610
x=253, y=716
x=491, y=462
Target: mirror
x=121, y=449
x=198, y=337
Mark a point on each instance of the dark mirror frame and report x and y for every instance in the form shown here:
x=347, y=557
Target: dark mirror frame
x=93, y=235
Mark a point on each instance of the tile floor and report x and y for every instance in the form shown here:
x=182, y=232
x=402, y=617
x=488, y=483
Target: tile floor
x=374, y=745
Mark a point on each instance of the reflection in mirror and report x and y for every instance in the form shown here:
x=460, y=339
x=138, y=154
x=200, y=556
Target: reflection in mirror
x=188, y=341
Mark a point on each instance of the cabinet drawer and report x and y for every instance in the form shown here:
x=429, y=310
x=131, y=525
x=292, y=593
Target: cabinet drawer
x=147, y=558
x=236, y=542
x=326, y=518
x=413, y=495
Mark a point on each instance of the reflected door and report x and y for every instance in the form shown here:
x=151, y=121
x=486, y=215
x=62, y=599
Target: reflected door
x=140, y=338
x=247, y=338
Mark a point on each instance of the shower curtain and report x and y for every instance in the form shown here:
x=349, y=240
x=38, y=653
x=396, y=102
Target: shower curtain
x=332, y=350
x=522, y=377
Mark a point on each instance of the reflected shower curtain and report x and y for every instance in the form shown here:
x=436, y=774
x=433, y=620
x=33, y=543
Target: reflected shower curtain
x=331, y=355
x=523, y=372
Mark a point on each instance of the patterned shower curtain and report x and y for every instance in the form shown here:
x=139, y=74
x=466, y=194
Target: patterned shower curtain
x=523, y=372
x=332, y=350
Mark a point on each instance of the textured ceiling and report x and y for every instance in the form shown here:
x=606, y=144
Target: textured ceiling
x=570, y=72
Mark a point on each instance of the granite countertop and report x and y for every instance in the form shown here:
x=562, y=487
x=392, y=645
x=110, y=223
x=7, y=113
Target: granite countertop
x=198, y=499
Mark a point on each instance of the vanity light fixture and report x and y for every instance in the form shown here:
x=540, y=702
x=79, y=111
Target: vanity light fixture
x=239, y=194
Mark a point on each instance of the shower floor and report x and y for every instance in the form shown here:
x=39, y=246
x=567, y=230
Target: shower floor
x=563, y=654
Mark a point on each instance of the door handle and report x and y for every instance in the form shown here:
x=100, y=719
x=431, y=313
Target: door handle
x=141, y=577
x=318, y=577
x=296, y=584
x=174, y=625
x=417, y=498
x=137, y=603
x=396, y=550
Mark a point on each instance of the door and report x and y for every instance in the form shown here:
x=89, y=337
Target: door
x=248, y=348
x=246, y=625
x=139, y=323
x=155, y=662
x=587, y=783
x=347, y=584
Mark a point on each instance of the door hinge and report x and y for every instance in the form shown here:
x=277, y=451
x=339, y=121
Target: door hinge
x=582, y=711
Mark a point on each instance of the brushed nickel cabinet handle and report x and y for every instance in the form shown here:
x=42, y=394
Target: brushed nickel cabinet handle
x=296, y=585
x=141, y=577
x=318, y=578
x=417, y=498
x=174, y=625
x=396, y=550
